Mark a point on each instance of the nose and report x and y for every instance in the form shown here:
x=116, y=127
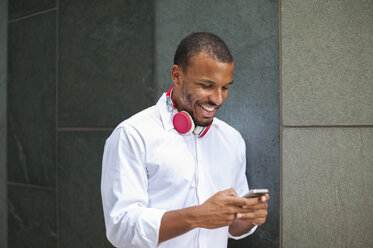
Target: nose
x=218, y=97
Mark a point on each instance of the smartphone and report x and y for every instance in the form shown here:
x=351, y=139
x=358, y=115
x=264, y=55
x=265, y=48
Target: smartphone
x=255, y=193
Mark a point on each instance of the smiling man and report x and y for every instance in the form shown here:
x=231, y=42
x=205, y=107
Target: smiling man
x=201, y=86
x=173, y=174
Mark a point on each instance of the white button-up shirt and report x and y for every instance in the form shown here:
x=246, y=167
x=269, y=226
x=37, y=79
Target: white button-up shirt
x=148, y=168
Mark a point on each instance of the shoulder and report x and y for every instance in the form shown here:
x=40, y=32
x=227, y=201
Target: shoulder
x=222, y=126
x=142, y=118
x=140, y=123
x=230, y=133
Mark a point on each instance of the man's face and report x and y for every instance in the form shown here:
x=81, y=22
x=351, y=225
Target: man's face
x=202, y=87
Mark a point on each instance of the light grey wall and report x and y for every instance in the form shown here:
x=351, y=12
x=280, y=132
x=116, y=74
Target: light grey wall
x=327, y=62
x=327, y=123
x=3, y=130
x=250, y=29
x=327, y=187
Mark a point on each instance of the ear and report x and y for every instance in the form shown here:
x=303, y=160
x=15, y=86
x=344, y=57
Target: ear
x=177, y=75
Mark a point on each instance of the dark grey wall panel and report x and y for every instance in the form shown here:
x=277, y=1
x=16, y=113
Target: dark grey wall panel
x=106, y=61
x=31, y=100
x=3, y=76
x=32, y=217
x=80, y=208
x=3, y=59
x=250, y=28
x=3, y=190
x=19, y=8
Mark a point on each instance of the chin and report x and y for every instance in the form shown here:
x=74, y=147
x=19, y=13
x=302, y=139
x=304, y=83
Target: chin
x=202, y=123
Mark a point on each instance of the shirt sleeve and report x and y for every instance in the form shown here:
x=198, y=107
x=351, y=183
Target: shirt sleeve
x=242, y=186
x=128, y=219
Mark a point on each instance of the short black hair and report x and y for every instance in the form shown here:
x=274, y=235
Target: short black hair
x=196, y=43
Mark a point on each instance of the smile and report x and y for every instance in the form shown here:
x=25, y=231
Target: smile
x=209, y=109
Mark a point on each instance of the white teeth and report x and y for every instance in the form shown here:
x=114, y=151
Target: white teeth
x=207, y=108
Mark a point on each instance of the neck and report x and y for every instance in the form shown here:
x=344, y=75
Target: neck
x=175, y=95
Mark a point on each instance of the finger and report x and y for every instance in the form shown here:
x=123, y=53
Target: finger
x=264, y=197
x=261, y=198
x=249, y=216
x=251, y=203
x=245, y=216
x=255, y=203
x=229, y=192
x=262, y=205
x=259, y=221
x=254, y=200
x=238, y=202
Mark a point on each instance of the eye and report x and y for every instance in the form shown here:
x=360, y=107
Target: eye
x=206, y=86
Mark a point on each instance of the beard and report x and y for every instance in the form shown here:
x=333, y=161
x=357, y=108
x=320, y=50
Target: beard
x=200, y=123
x=190, y=111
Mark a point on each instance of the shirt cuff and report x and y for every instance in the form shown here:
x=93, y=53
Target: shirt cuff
x=148, y=226
x=243, y=235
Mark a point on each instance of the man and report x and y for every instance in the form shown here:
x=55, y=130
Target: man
x=173, y=174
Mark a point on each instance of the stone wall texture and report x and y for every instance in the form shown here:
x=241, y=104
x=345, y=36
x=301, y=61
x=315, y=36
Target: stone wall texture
x=327, y=123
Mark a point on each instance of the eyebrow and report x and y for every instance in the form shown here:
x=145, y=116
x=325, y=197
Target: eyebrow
x=212, y=82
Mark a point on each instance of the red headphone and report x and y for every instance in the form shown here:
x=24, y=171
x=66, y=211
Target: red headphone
x=183, y=122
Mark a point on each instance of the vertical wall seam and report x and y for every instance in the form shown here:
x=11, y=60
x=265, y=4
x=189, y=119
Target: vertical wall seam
x=56, y=131
x=6, y=122
x=155, y=54
x=280, y=112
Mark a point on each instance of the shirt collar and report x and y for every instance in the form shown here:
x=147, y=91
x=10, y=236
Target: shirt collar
x=166, y=115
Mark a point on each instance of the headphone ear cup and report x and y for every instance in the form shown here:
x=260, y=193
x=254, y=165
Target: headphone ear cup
x=183, y=122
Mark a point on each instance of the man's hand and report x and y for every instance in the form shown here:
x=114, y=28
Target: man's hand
x=258, y=210
x=221, y=209
x=256, y=215
x=224, y=208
